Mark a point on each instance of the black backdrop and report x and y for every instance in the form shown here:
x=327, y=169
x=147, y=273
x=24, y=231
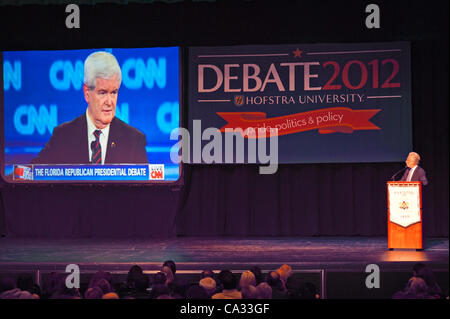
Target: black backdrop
x=312, y=199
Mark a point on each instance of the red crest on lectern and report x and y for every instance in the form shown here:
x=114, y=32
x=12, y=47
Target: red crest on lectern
x=404, y=205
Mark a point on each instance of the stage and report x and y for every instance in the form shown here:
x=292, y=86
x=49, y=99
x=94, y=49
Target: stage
x=329, y=253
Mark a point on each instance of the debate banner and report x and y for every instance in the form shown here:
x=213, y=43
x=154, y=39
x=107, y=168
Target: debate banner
x=329, y=102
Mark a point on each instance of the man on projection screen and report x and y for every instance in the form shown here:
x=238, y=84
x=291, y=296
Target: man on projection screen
x=97, y=136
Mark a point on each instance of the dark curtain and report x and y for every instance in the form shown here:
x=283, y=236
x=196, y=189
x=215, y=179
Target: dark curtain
x=307, y=200
x=89, y=212
x=300, y=200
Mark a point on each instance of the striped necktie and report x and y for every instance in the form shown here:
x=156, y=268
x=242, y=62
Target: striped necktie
x=97, y=148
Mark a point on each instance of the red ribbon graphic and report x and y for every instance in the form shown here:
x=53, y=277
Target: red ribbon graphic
x=329, y=120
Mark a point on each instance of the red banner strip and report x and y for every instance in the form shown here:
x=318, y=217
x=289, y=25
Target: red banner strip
x=329, y=120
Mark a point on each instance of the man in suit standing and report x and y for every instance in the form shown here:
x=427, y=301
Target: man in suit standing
x=97, y=136
x=414, y=173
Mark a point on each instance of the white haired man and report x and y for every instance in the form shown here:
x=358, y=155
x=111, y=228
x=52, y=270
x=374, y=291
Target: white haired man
x=414, y=172
x=97, y=136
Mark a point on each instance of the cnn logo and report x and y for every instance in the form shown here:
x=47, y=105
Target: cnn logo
x=156, y=172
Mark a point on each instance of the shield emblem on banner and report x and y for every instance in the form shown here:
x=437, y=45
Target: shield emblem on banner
x=238, y=100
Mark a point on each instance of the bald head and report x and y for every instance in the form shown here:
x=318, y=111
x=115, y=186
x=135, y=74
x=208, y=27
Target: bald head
x=412, y=159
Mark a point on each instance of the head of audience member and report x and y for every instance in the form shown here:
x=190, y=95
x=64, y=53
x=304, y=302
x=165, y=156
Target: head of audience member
x=50, y=284
x=285, y=271
x=258, y=274
x=104, y=285
x=227, y=279
x=428, y=276
x=110, y=295
x=134, y=273
x=63, y=292
x=208, y=273
x=170, y=276
x=159, y=278
x=93, y=293
x=8, y=290
x=26, y=283
x=101, y=276
x=247, y=279
x=264, y=291
x=274, y=281
x=171, y=265
x=135, y=270
x=196, y=292
x=249, y=292
x=209, y=284
x=417, y=288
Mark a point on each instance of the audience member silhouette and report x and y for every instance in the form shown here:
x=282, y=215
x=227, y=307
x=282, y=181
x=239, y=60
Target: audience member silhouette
x=229, y=286
x=279, y=284
x=415, y=289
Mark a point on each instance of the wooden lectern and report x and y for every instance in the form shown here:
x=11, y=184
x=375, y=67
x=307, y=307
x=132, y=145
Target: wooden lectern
x=404, y=201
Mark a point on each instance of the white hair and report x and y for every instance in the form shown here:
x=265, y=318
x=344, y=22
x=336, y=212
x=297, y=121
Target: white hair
x=415, y=155
x=208, y=284
x=247, y=278
x=100, y=64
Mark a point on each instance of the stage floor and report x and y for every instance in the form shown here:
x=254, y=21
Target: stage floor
x=195, y=254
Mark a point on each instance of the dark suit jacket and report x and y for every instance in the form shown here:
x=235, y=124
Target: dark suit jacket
x=418, y=175
x=69, y=144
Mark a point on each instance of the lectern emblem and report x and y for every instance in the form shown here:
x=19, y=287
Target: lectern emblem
x=404, y=205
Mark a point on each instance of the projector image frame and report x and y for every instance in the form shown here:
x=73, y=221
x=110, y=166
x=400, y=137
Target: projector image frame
x=153, y=173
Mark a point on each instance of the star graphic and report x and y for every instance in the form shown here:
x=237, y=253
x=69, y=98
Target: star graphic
x=297, y=53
